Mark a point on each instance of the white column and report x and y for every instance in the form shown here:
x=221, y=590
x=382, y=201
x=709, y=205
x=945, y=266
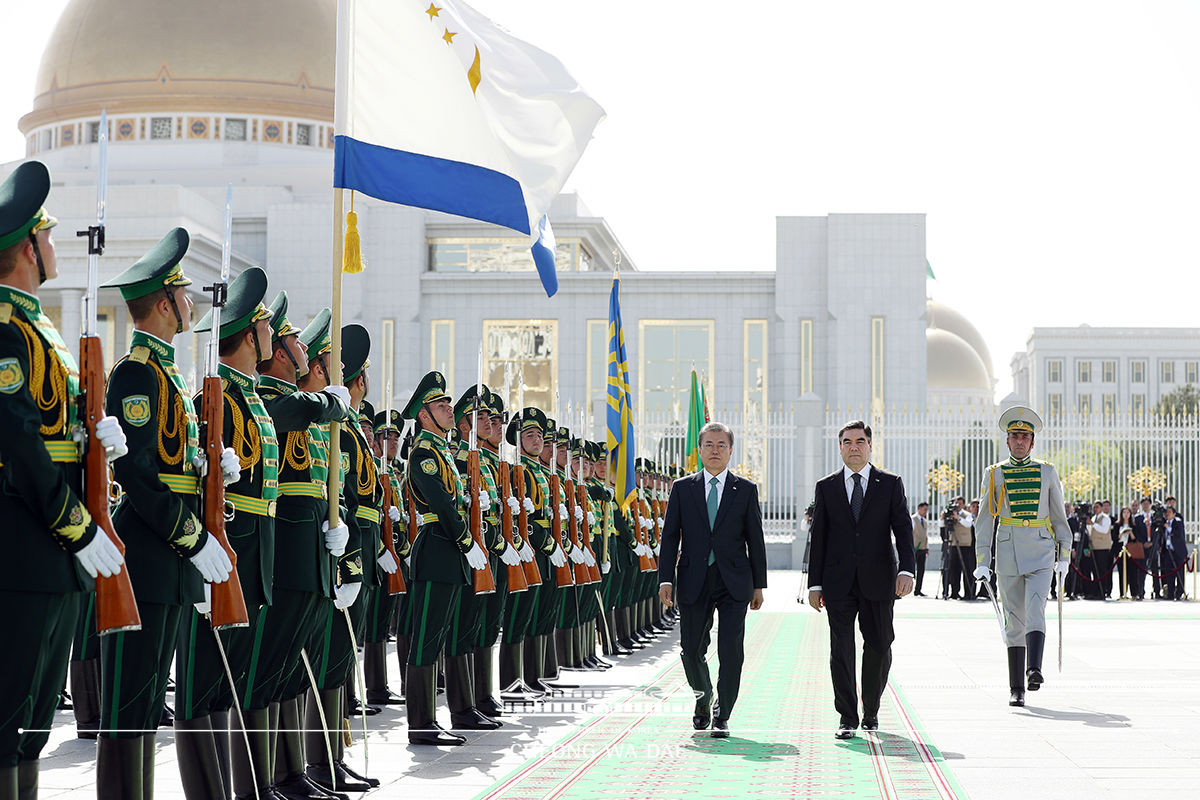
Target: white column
x=72, y=319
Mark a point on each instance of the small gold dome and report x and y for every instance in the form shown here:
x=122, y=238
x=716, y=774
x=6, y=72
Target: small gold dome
x=251, y=56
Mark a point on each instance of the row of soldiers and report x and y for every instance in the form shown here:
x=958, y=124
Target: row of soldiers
x=260, y=708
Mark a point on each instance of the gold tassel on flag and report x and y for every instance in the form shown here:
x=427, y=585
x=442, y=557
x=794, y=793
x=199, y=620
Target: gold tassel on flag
x=352, y=260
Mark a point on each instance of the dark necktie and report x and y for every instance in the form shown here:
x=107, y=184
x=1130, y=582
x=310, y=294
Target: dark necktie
x=712, y=515
x=856, y=497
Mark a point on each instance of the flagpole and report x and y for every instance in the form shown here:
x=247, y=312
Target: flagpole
x=335, y=358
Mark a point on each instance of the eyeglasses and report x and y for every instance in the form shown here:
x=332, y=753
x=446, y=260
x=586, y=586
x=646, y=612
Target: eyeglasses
x=714, y=446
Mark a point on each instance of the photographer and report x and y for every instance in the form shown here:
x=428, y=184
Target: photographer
x=1174, y=554
x=1080, y=520
x=1100, y=542
x=1154, y=551
x=920, y=543
x=959, y=560
x=1139, y=545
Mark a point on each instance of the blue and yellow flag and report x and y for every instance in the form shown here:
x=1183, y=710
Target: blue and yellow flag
x=620, y=412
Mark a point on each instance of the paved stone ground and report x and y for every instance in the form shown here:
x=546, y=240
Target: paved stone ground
x=1118, y=722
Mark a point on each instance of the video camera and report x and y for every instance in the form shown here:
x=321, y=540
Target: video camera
x=1083, y=511
x=1158, y=516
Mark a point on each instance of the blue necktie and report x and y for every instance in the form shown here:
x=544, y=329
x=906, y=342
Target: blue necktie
x=712, y=514
x=856, y=497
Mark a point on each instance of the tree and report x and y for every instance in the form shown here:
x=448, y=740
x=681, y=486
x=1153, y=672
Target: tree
x=1181, y=402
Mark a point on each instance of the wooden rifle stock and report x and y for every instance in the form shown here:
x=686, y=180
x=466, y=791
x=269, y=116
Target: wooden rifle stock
x=562, y=575
x=395, y=581
x=411, y=508
x=485, y=582
x=228, y=608
x=644, y=564
x=116, y=606
x=580, y=571
x=517, y=581
x=592, y=569
x=533, y=575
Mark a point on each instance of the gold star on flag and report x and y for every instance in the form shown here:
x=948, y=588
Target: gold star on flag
x=449, y=37
x=432, y=11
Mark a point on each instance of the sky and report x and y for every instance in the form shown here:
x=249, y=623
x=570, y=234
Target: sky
x=1054, y=146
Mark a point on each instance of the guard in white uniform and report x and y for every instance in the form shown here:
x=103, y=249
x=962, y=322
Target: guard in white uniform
x=1023, y=505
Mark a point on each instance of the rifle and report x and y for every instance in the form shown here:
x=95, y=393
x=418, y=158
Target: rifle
x=228, y=603
x=639, y=533
x=580, y=571
x=517, y=579
x=533, y=575
x=485, y=582
x=116, y=606
x=395, y=581
x=562, y=575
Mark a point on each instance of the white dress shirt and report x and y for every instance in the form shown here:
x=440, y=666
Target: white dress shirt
x=707, y=478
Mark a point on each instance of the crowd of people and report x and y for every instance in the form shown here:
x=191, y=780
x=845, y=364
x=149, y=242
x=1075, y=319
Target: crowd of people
x=1113, y=553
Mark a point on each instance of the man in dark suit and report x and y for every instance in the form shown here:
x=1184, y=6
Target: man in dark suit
x=714, y=526
x=1174, y=553
x=860, y=510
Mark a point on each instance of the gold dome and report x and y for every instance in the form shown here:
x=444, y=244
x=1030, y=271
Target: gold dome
x=249, y=56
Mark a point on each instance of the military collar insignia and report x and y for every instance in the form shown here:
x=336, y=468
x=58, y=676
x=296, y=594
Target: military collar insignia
x=22, y=300
x=244, y=382
x=164, y=351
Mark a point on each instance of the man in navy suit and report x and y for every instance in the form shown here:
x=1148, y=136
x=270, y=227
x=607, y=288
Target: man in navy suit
x=1174, y=553
x=714, y=526
x=860, y=511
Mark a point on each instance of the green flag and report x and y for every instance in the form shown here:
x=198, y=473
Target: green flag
x=696, y=421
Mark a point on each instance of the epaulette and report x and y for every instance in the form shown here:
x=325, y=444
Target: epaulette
x=5, y=313
x=140, y=354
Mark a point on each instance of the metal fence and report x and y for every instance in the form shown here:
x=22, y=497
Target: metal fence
x=941, y=453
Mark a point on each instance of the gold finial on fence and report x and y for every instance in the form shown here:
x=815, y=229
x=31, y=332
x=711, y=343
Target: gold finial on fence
x=1079, y=481
x=1146, y=480
x=944, y=478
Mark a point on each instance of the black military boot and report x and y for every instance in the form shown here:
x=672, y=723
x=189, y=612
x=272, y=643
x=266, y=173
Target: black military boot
x=1016, y=676
x=460, y=697
x=550, y=673
x=85, y=689
x=148, y=750
x=402, y=644
x=512, y=674
x=564, y=649
x=196, y=753
x=289, y=778
x=252, y=771
x=1035, y=642
x=220, y=734
x=119, y=767
x=8, y=783
x=27, y=780
x=421, y=708
x=321, y=746
x=482, y=664
x=375, y=672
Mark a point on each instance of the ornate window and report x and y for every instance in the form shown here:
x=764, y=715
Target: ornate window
x=160, y=127
x=235, y=130
x=1054, y=370
x=529, y=349
x=669, y=350
x=441, y=350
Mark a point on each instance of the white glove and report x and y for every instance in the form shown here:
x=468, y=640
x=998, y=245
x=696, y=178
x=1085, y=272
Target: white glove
x=100, y=557
x=579, y=513
x=510, y=557
x=345, y=595
x=605, y=567
x=1062, y=567
x=577, y=556
x=647, y=524
x=112, y=438
x=588, y=558
x=485, y=500
x=387, y=562
x=395, y=514
x=205, y=605
x=231, y=468
x=591, y=518
x=557, y=558
x=404, y=517
x=562, y=511
x=514, y=505
x=212, y=562
x=661, y=523
x=338, y=391
x=530, y=508
x=1078, y=536
x=526, y=553
x=656, y=547
x=336, y=539
x=982, y=573
x=476, y=557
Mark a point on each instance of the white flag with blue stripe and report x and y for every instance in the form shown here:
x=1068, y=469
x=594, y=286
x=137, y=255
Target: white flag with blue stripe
x=438, y=107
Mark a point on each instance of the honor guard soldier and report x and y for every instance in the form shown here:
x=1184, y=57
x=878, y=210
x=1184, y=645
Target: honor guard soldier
x=334, y=652
x=55, y=549
x=600, y=508
x=540, y=658
x=201, y=683
x=168, y=553
x=1023, y=504
x=373, y=621
x=382, y=611
x=471, y=411
x=303, y=563
x=526, y=433
x=443, y=554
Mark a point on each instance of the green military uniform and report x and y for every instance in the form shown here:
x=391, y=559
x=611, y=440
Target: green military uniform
x=539, y=653
x=466, y=620
x=1023, y=502
x=522, y=608
x=383, y=607
x=201, y=685
x=158, y=519
x=41, y=483
x=439, y=568
x=567, y=618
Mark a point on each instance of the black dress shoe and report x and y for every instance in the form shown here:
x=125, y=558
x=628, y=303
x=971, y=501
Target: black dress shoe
x=344, y=769
x=870, y=723
x=1034, y=678
x=472, y=720
x=384, y=698
x=300, y=787
x=436, y=736
x=720, y=729
x=319, y=774
x=702, y=715
x=845, y=731
x=1017, y=696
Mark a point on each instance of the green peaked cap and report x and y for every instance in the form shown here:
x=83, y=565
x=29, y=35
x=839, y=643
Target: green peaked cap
x=366, y=413
x=315, y=335
x=530, y=418
x=356, y=346
x=431, y=387
x=244, y=305
x=495, y=404
x=159, y=268
x=381, y=421
x=22, y=195
x=469, y=400
x=281, y=326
